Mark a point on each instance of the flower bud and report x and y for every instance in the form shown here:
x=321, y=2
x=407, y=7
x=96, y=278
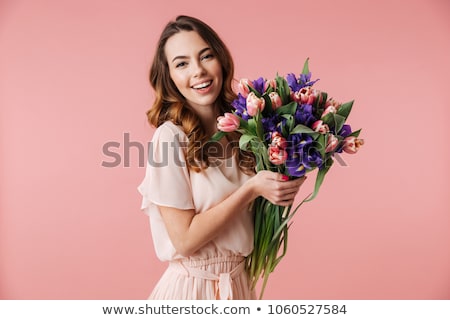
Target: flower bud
x=352, y=144
x=276, y=100
x=254, y=104
x=228, y=122
x=305, y=95
x=332, y=102
x=332, y=143
x=244, y=87
x=277, y=156
x=278, y=140
x=329, y=109
x=270, y=83
x=320, y=127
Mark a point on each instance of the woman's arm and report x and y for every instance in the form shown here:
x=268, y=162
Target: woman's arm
x=189, y=231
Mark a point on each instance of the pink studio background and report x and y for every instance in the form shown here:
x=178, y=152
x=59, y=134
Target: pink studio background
x=73, y=77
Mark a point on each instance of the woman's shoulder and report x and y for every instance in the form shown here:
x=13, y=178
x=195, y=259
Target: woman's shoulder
x=170, y=131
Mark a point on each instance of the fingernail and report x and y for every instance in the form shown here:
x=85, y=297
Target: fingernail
x=285, y=178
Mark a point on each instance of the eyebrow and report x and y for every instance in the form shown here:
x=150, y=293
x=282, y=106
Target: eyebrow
x=185, y=57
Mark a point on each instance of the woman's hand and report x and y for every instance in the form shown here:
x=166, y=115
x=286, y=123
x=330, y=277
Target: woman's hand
x=275, y=187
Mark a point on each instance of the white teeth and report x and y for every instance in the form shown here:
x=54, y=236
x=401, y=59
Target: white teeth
x=202, y=85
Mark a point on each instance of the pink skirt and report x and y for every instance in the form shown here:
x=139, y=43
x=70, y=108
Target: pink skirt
x=204, y=279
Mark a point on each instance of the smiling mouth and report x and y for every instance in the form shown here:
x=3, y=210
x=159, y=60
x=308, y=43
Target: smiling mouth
x=202, y=85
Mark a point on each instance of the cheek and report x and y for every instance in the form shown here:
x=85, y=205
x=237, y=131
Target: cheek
x=215, y=68
x=219, y=71
x=219, y=74
x=177, y=79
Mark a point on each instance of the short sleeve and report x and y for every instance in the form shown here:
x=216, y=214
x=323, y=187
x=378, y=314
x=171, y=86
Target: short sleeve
x=167, y=181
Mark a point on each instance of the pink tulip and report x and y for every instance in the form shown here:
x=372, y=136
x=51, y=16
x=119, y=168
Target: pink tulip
x=278, y=140
x=332, y=143
x=228, y=122
x=320, y=127
x=277, y=156
x=305, y=95
x=270, y=83
x=276, y=100
x=254, y=104
x=332, y=102
x=244, y=87
x=352, y=144
x=329, y=109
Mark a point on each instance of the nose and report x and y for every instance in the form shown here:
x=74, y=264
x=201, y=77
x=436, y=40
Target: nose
x=199, y=69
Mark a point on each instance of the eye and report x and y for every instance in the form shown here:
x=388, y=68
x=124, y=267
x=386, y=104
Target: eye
x=180, y=64
x=207, y=56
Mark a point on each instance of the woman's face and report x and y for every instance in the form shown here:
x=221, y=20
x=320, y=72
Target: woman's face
x=193, y=67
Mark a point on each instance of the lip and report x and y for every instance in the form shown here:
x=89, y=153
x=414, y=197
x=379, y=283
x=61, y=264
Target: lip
x=201, y=82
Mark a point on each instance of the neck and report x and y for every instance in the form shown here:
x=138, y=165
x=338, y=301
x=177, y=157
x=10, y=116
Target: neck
x=208, y=118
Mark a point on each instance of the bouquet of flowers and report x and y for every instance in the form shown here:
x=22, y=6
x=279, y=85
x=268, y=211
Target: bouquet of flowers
x=291, y=128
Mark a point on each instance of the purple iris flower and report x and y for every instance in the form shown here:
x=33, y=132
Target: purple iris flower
x=273, y=123
x=313, y=157
x=304, y=115
x=270, y=123
x=298, y=158
x=292, y=82
x=258, y=84
x=345, y=131
x=240, y=104
x=304, y=80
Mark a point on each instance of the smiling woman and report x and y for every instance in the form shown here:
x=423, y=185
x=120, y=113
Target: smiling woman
x=200, y=214
x=197, y=73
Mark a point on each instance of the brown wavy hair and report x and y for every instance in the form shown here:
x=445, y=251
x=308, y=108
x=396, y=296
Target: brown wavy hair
x=170, y=104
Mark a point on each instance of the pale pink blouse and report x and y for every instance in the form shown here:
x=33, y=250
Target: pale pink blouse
x=168, y=182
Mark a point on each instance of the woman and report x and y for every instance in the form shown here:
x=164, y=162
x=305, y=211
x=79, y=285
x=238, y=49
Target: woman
x=198, y=193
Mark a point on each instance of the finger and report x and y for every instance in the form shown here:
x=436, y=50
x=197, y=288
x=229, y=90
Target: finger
x=281, y=177
x=285, y=195
x=293, y=185
x=290, y=192
x=289, y=196
x=298, y=182
x=285, y=203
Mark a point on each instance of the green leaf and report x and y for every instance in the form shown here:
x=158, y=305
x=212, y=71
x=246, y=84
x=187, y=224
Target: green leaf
x=304, y=129
x=285, y=243
x=320, y=176
x=355, y=133
x=345, y=109
x=287, y=109
x=251, y=124
x=283, y=89
x=245, y=140
x=259, y=127
x=305, y=67
x=267, y=111
x=328, y=119
x=217, y=136
x=243, y=124
x=334, y=121
x=259, y=149
x=289, y=126
x=278, y=231
x=338, y=122
x=260, y=162
x=321, y=144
